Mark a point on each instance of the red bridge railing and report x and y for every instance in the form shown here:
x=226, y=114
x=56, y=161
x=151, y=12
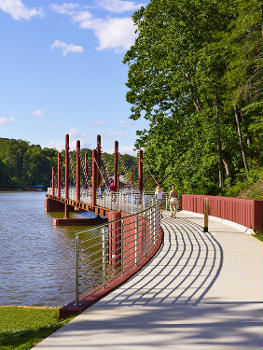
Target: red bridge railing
x=247, y=212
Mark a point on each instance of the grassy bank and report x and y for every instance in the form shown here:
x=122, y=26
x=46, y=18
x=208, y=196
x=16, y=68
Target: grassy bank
x=21, y=328
x=259, y=235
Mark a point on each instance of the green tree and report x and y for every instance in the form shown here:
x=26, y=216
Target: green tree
x=243, y=77
x=180, y=80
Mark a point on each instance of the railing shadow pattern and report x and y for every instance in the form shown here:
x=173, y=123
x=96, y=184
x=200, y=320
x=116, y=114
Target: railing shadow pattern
x=188, y=265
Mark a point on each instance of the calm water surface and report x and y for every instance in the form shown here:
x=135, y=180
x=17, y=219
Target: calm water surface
x=36, y=259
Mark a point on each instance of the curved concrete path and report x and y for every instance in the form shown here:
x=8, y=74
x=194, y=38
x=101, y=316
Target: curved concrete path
x=201, y=291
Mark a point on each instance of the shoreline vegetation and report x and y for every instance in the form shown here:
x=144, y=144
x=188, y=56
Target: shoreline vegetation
x=22, y=327
x=23, y=165
x=19, y=190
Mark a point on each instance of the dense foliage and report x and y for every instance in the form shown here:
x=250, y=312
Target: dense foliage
x=23, y=165
x=194, y=74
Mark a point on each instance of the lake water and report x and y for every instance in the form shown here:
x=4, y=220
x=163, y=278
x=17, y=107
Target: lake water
x=37, y=260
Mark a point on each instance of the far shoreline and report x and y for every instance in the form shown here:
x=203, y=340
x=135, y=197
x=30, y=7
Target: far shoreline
x=20, y=190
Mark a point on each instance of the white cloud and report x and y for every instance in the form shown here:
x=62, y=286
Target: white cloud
x=126, y=122
x=112, y=33
x=74, y=132
x=38, y=113
x=6, y=120
x=116, y=133
x=60, y=145
x=67, y=8
x=101, y=122
x=124, y=150
x=128, y=150
x=66, y=48
x=119, y=6
x=17, y=10
x=84, y=19
x=116, y=33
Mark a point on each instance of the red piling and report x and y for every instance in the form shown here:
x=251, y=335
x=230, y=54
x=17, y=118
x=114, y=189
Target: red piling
x=59, y=176
x=86, y=170
x=98, y=157
x=140, y=171
x=51, y=205
x=66, y=174
x=78, y=170
x=53, y=182
x=116, y=175
x=94, y=177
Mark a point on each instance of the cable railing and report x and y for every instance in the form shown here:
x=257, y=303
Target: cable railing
x=127, y=200
x=105, y=252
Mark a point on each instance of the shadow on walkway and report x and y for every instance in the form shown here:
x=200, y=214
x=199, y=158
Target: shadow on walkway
x=166, y=306
x=164, y=327
x=182, y=272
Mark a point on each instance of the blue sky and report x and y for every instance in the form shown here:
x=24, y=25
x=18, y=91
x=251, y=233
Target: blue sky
x=61, y=71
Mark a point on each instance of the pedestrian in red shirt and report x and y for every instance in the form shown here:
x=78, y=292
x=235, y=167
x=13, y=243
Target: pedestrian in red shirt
x=112, y=188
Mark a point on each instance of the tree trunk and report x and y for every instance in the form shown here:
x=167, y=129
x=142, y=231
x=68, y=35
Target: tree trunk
x=219, y=146
x=197, y=105
x=226, y=165
x=241, y=141
x=195, y=100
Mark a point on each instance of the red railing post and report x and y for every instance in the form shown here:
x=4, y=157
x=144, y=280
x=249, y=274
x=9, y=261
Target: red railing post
x=86, y=169
x=98, y=157
x=94, y=178
x=116, y=174
x=78, y=170
x=59, y=176
x=140, y=171
x=66, y=175
x=53, y=182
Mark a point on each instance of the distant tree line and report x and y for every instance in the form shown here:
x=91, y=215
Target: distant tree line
x=23, y=165
x=195, y=73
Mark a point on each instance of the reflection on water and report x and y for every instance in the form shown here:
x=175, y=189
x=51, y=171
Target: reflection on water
x=37, y=262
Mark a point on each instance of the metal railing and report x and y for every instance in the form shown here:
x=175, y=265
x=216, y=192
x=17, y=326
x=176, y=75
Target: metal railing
x=126, y=200
x=106, y=252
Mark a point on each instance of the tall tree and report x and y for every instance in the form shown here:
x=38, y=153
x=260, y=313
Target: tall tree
x=180, y=69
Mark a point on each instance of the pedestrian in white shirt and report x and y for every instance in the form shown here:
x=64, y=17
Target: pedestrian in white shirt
x=159, y=196
x=173, y=199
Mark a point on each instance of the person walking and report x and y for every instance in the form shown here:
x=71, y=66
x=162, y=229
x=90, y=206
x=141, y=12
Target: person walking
x=112, y=187
x=173, y=199
x=159, y=196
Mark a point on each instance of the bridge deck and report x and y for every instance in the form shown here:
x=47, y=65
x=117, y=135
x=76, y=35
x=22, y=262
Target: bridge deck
x=201, y=291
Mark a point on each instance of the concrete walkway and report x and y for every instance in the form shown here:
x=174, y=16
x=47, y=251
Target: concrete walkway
x=201, y=291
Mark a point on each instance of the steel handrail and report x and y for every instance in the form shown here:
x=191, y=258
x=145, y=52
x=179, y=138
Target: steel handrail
x=124, y=200
x=114, y=250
